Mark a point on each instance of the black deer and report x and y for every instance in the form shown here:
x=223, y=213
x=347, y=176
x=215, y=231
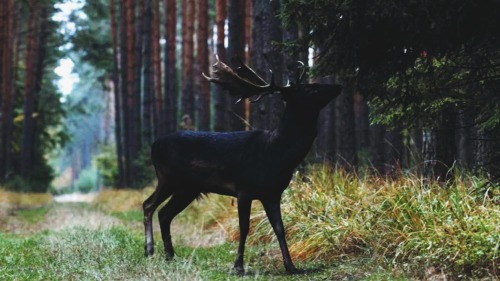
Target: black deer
x=249, y=165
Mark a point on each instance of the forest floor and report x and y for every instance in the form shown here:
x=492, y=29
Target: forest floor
x=72, y=239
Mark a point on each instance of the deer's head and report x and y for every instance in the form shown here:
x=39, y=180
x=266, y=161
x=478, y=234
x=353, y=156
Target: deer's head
x=244, y=83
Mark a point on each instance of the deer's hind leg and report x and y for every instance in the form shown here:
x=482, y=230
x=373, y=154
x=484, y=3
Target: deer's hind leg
x=149, y=206
x=175, y=205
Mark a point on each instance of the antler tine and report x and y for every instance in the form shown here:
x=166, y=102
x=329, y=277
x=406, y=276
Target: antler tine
x=246, y=72
x=246, y=86
x=301, y=76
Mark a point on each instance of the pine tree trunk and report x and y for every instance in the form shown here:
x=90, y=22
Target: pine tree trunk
x=187, y=64
x=202, y=58
x=170, y=11
x=362, y=125
x=266, y=30
x=31, y=59
x=158, y=104
x=236, y=48
x=8, y=29
x=464, y=138
x=139, y=44
x=446, y=148
x=220, y=97
x=147, y=71
x=345, y=134
x=377, y=147
x=117, y=95
x=124, y=91
x=325, y=142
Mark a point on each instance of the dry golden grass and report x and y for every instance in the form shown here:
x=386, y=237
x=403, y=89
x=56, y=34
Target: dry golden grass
x=122, y=200
x=24, y=200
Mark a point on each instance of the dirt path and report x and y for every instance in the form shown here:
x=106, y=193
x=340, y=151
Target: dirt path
x=75, y=197
x=58, y=217
x=75, y=210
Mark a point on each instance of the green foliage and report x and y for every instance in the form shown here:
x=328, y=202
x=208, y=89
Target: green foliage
x=93, y=36
x=39, y=180
x=142, y=167
x=87, y=180
x=417, y=59
x=107, y=164
x=34, y=215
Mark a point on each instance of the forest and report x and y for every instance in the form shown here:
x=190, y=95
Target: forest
x=420, y=83
x=402, y=181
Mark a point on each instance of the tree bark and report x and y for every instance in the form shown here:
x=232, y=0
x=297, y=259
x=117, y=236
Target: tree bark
x=158, y=104
x=202, y=58
x=138, y=11
x=148, y=77
x=124, y=93
x=220, y=97
x=7, y=90
x=344, y=119
x=187, y=60
x=236, y=48
x=266, y=31
x=31, y=59
x=118, y=97
x=169, y=8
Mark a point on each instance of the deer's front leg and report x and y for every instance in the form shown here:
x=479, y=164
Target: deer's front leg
x=244, y=206
x=272, y=208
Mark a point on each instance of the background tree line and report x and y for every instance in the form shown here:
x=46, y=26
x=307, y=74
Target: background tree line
x=420, y=79
x=31, y=112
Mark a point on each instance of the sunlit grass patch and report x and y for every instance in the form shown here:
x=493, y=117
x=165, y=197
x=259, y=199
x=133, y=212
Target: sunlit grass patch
x=122, y=200
x=83, y=254
x=24, y=199
x=404, y=222
x=33, y=215
x=126, y=204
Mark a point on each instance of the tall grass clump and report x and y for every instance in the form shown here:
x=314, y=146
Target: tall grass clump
x=20, y=200
x=404, y=223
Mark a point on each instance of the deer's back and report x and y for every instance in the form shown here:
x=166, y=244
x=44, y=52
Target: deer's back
x=225, y=163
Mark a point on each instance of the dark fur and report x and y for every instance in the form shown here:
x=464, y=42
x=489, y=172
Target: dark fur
x=249, y=165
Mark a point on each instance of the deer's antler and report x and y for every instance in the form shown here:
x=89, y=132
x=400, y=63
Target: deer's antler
x=242, y=82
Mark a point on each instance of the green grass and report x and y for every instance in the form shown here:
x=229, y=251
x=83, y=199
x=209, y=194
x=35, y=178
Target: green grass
x=34, y=215
x=130, y=215
x=117, y=254
x=340, y=227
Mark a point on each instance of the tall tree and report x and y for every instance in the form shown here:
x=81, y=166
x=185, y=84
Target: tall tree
x=158, y=105
x=30, y=80
x=138, y=11
x=124, y=90
x=235, y=115
x=220, y=102
x=432, y=60
x=118, y=97
x=187, y=75
x=169, y=62
x=148, y=73
x=345, y=134
x=8, y=30
x=202, y=59
x=267, y=31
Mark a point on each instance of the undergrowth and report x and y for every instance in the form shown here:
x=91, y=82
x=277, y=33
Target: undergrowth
x=405, y=223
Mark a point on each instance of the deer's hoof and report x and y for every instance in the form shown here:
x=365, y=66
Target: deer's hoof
x=239, y=270
x=293, y=270
x=149, y=252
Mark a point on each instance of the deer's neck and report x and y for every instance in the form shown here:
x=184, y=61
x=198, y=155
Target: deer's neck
x=295, y=135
